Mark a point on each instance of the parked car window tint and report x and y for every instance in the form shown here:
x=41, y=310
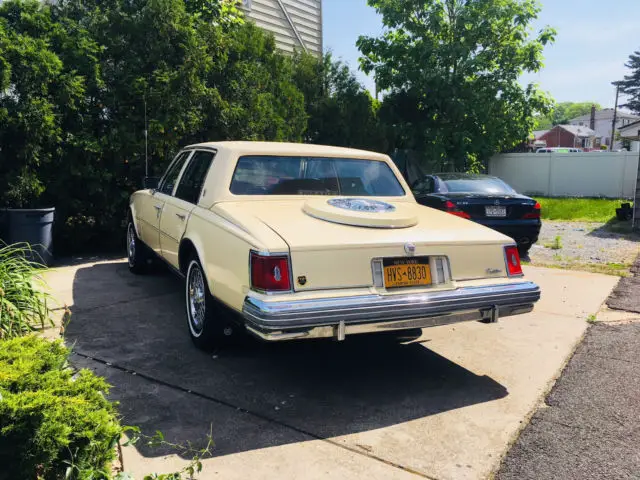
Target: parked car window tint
x=484, y=185
x=193, y=178
x=424, y=186
x=170, y=178
x=271, y=175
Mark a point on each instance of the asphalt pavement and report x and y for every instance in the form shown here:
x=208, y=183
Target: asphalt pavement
x=589, y=425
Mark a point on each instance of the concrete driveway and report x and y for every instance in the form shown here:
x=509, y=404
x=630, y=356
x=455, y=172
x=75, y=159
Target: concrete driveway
x=445, y=406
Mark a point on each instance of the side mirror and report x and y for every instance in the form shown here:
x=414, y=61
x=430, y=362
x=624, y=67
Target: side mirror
x=150, y=182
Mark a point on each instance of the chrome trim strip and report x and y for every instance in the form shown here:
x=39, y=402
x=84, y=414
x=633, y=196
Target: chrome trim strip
x=340, y=331
x=274, y=315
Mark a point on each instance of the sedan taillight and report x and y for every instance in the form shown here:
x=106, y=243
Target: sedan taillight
x=512, y=257
x=453, y=210
x=535, y=213
x=270, y=273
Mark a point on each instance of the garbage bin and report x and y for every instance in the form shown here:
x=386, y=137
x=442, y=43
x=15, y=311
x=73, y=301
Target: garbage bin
x=33, y=226
x=4, y=227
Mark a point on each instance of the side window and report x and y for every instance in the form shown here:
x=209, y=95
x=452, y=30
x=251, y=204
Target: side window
x=424, y=186
x=192, y=181
x=170, y=178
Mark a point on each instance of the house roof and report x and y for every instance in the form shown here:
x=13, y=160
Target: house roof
x=630, y=131
x=605, y=113
x=538, y=133
x=578, y=130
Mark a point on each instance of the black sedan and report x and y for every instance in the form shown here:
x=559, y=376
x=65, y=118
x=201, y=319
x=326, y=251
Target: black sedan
x=483, y=199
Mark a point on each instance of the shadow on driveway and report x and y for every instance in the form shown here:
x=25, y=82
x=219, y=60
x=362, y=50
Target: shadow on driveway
x=258, y=395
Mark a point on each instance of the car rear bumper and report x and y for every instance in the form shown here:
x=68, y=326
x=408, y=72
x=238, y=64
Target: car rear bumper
x=338, y=317
x=524, y=232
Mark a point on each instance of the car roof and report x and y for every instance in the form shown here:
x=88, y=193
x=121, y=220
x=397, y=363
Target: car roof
x=461, y=176
x=290, y=149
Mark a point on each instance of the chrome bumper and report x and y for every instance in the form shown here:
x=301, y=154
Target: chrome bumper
x=341, y=316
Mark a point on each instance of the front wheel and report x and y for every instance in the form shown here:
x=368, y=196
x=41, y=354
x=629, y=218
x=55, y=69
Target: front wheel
x=137, y=255
x=209, y=324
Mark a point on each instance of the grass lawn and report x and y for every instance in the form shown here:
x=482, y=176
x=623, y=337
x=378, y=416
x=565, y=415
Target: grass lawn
x=579, y=209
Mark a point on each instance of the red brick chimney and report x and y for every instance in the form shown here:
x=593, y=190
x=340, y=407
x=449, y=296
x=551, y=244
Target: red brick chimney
x=592, y=121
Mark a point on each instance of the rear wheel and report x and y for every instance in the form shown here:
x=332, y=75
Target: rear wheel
x=137, y=253
x=523, y=250
x=210, y=325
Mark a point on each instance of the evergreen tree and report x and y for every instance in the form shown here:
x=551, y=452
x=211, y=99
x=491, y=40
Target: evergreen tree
x=630, y=85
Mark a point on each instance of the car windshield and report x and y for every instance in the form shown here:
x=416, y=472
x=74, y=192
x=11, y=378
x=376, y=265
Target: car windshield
x=478, y=184
x=273, y=175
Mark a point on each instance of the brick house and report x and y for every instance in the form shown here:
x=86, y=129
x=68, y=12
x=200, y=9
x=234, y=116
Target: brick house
x=569, y=136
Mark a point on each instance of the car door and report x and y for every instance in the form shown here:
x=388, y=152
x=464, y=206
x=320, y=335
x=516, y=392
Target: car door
x=179, y=206
x=155, y=202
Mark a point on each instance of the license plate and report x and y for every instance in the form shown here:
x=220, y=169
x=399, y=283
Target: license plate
x=495, y=211
x=406, y=272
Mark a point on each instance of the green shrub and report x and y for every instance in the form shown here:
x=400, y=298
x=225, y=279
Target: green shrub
x=54, y=423
x=23, y=302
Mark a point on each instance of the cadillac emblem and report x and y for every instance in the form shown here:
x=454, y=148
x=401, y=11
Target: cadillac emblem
x=410, y=249
x=361, y=205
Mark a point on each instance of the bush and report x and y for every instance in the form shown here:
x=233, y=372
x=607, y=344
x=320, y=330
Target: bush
x=23, y=303
x=54, y=423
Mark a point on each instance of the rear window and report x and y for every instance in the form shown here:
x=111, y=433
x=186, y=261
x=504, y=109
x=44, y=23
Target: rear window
x=273, y=175
x=484, y=185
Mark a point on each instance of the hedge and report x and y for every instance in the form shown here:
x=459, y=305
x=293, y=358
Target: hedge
x=54, y=422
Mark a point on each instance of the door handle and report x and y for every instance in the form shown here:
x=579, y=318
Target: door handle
x=158, y=207
x=181, y=216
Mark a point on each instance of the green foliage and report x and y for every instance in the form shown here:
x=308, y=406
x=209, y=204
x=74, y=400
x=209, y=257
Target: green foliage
x=23, y=301
x=556, y=244
x=157, y=440
x=562, y=113
x=630, y=84
x=53, y=423
x=79, y=77
x=578, y=209
x=451, y=70
x=341, y=111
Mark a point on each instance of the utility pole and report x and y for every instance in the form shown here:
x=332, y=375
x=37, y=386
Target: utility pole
x=615, y=117
x=146, y=138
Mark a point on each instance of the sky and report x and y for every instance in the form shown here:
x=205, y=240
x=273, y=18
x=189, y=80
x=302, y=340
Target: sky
x=595, y=39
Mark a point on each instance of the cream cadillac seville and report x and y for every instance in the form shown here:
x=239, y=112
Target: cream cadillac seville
x=292, y=241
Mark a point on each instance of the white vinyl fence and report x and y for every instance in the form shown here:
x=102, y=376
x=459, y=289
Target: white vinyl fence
x=591, y=174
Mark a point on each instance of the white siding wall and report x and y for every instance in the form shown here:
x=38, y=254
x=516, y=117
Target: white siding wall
x=306, y=16
x=611, y=175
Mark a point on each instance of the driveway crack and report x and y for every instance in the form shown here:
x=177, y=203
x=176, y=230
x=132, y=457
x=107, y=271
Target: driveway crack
x=254, y=414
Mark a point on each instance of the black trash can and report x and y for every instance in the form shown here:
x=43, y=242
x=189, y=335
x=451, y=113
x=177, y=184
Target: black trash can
x=33, y=226
x=4, y=226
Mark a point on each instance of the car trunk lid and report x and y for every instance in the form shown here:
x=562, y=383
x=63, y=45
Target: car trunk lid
x=333, y=247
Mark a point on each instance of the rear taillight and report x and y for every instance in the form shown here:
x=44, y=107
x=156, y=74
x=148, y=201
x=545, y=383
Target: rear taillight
x=453, y=210
x=512, y=257
x=270, y=273
x=535, y=213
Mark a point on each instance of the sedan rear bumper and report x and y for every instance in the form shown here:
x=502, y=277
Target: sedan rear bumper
x=338, y=317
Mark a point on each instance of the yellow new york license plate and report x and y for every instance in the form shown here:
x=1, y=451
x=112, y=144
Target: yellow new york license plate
x=406, y=272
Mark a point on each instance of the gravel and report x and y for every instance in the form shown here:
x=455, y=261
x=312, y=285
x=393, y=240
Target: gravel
x=583, y=243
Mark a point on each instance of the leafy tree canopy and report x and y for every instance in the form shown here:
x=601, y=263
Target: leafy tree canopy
x=562, y=113
x=451, y=68
x=630, y=84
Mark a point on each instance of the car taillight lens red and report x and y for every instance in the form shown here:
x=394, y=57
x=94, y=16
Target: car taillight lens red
x=270, y=273
x=535, y=213
x=453, y=210
x=513, y=260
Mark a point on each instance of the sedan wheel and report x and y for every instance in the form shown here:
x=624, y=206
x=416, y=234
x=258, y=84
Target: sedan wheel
x=196, y=300
x=209, y=324
x=136, y=251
